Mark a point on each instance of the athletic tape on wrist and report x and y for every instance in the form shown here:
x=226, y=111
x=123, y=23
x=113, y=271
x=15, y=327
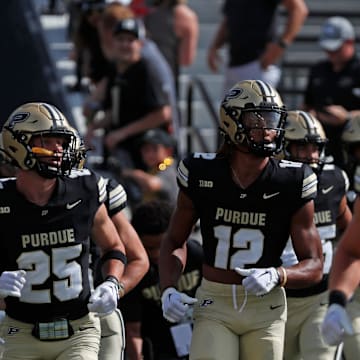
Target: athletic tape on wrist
x=337, y=297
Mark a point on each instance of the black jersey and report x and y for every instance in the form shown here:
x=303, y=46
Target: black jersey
x=245, y=227
x=143, y=303
x=333, y=184
x=251, y=24
x=51, y=243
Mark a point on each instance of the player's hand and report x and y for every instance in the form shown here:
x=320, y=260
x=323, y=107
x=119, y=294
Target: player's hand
x=175, y=304
x=336, y=325
x=259, y=281
x=11, y=283
x=214, y=60
x=104, y=299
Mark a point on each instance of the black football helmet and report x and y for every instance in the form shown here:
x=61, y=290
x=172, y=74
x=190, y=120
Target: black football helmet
x=249, y=108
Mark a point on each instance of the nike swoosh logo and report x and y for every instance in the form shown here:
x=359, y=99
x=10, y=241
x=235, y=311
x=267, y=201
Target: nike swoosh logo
x=70, y=206
x=327, y=190
x=273, y=307
x=269, y=196
x=86, y=328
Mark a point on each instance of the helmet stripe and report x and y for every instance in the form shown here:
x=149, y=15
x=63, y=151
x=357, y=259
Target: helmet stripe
x=308, y=121
x=265, y=90
x=54, y=113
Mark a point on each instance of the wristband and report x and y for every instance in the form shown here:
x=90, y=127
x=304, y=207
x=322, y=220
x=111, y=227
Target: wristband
x=282, y=43
x=337, y=297
x=121, y=289
x=282, y=276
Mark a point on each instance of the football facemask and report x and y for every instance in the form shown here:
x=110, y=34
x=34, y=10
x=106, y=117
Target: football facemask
x=263, y=131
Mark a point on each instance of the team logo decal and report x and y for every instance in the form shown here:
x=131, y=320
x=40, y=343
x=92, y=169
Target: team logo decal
x=234, y=93
x=18, y=118
x=206, y=302
x=13, y=330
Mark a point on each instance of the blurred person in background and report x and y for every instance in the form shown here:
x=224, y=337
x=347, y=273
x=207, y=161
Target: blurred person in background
x=333, y=88
x=159, y=68
x=158, y=179
x=350, y=139
x=174, y=27
x=249, y=29
x=148, y=335
x=87, y=52
x=134, y=100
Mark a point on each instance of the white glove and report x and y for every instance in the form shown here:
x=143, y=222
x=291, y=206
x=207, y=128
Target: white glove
x=335, y=325
x=11, y=283
x=104, y=299
x=175, y=304
x=259, y=281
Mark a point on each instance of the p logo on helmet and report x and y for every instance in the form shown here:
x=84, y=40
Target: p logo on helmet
x=18, y=118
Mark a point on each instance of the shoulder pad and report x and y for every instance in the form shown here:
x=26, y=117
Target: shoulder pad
x=117, y=195
x=4, y=180
x=309, y=185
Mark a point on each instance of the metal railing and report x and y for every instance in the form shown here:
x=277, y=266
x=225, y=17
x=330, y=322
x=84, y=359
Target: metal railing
x=192, y=131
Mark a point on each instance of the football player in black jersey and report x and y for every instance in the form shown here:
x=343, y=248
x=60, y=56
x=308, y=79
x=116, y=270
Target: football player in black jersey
x=141, y=308
x=248, y=204
x=336, y=326
x=112, y=343
x=47, y=215
x=305, y=141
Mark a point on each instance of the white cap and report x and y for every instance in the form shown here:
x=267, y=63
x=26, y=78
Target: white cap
x=335, y=31
x=121, y=2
